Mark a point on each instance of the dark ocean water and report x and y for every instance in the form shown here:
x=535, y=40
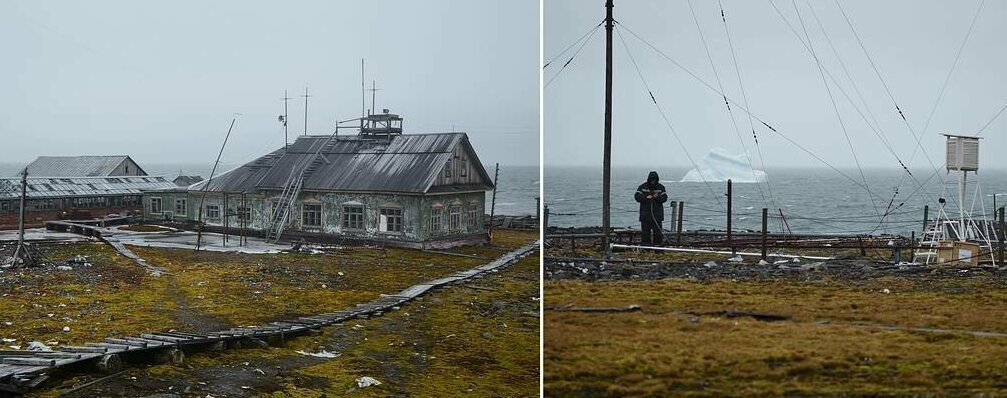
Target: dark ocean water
x=517, y=190
x=812, y=200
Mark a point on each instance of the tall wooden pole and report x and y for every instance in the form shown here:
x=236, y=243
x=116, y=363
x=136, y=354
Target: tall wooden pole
x=493, y=203
x=607, y=163
x=202, y=199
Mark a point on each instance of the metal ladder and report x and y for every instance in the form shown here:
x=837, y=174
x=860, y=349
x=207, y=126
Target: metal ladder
x=280, y=217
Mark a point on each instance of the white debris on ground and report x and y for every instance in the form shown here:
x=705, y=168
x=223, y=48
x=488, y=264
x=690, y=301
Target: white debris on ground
x=66, y=329
x=710, y=264
x=367, y=381
x=319, y=354
x=736, y=259
x=64, y=268
x=763, y=262
x=38, y=346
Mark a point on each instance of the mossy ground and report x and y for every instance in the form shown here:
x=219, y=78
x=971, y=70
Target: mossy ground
x=829, y=347
x=203, y=291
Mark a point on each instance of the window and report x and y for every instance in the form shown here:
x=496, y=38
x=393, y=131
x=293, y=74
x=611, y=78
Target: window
x=353, y=216
x=447, y=168
x=5, y=206
x=155, y=205
x=390, y=220
x=455, y=218
x=180, y=206
x=436, y=218
x=311, y=215
x=212, y=211
x=463, y=170
x=473, y=214
x=244, y=213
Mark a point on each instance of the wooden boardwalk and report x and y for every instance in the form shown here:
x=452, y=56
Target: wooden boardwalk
x=22, y=370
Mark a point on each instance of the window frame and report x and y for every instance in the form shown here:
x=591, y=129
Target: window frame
x=184, y=208
x=473, y=214
x=436, y=214
x=353, y=220
x=389, y=220
x=160, y=205
x=216, y=209
x=304, y=215
x=455, y=217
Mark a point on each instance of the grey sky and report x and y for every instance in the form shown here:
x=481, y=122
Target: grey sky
x=161, y=80
x=913, y=44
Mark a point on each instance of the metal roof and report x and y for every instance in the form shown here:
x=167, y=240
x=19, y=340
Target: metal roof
x=76, y=166
x=57, y=187
x=406, y=163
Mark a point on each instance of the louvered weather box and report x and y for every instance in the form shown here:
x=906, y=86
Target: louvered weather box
x=962, y=152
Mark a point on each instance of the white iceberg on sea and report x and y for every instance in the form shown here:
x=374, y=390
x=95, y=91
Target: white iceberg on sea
x=720, y=165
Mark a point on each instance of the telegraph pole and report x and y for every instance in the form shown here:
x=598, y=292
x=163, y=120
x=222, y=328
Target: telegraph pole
x=607, y=165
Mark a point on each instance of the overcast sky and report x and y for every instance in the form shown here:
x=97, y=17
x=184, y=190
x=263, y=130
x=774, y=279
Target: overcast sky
x=913, y=44
x=161, y=80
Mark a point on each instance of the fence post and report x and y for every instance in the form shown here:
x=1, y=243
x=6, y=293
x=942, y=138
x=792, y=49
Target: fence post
x=1000, y=238
x=545, y=219
x=765, y=230
x=729, y=197
x=912, y=247
x=926, y=218
x=674, y=216
x=678, y=230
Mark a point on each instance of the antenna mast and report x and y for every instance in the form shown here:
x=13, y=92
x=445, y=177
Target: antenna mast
x=363, y=96
x=306, y=110
x=286, y=138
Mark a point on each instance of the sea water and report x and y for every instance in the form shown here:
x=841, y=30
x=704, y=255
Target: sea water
x=813, y=200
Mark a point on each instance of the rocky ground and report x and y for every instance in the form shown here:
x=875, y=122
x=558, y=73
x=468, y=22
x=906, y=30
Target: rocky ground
x=699, y=325
x=86, y=292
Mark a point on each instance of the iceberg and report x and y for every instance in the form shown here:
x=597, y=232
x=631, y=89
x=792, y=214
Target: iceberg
x=720, y=165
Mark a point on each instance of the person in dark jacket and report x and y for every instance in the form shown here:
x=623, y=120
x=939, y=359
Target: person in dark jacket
x=651, y=196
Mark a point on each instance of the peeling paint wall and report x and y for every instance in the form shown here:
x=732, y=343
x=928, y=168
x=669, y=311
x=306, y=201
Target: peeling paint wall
x=416, y=212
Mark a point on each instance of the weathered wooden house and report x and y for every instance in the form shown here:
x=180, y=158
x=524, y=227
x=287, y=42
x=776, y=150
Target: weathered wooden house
x=417, y=190
x=55, y=198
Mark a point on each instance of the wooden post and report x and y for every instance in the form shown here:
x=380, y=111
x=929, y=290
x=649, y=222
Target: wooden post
x=678, y=230
x=674, y=216
x=1000, y=238
x=729, y=197
x=765, y=230
x=926, y=218
x=607, y=157
x=538, y=210
x=493, y=204
x=912, y=246
x=863, y=250
x=545, y=219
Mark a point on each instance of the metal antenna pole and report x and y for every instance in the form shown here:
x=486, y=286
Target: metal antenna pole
x=199, y=232
x=306, y=110
x=374, y=89
x=363, y=96
x=286, y=138
x=21, y=254
x=607, y=165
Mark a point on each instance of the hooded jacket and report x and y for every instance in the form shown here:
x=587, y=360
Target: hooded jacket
x=651, y=209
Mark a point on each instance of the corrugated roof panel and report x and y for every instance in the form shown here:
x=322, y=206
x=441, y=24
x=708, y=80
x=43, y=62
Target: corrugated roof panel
x=41, y=187
x=75, y=166
x=402, y=163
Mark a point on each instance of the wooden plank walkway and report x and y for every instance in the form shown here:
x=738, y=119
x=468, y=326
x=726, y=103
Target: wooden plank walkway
x=18, y=368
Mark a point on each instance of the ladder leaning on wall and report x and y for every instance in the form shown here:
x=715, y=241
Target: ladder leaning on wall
x=280, y=216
